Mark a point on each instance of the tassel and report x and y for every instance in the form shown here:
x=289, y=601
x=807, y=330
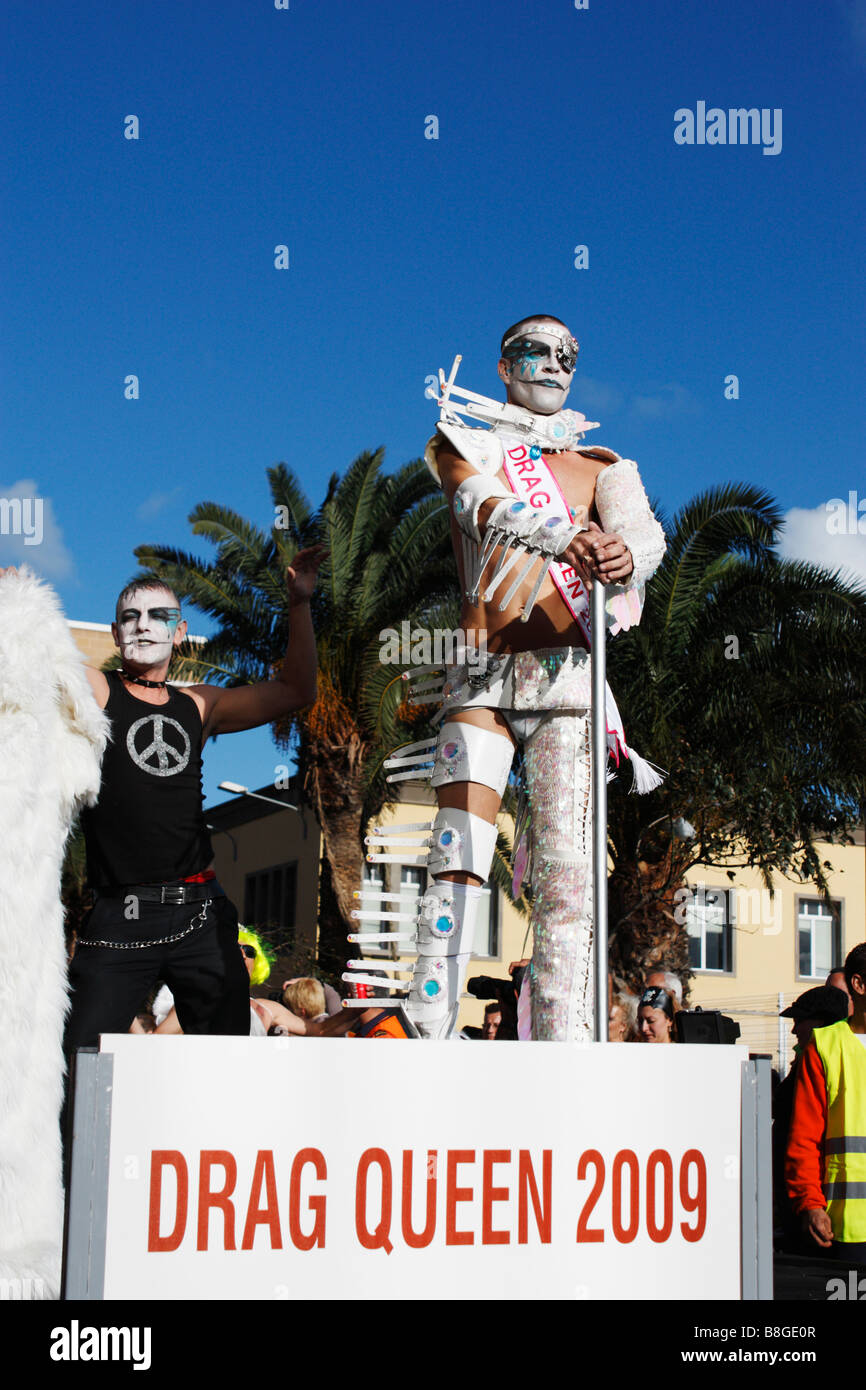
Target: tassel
x=646, y=775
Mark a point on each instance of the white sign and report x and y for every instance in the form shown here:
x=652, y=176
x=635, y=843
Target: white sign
x=282, y=1168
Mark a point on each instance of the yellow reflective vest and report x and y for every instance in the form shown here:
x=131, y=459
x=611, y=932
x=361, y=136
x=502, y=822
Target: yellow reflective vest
x=843, y=1057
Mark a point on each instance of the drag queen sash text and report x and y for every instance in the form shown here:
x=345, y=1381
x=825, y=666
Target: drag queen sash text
x=531, y=479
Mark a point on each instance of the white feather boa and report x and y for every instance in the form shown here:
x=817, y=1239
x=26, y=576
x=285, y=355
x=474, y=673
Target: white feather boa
x=52, y=735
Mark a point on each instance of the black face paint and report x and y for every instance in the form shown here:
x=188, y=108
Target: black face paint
x=529, y=349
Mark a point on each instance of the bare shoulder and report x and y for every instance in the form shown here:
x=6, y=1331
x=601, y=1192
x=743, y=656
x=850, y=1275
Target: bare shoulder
x=453, y=470
x=204, y=697
x=98, y=682
x=598, y=457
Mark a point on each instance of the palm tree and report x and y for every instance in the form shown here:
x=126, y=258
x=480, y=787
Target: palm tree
x=746, y=680
x=389, y=558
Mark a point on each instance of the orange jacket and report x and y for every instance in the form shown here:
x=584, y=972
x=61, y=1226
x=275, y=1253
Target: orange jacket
x=804, y=1157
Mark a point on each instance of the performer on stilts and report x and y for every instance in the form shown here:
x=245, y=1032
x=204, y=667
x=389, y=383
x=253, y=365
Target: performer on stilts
x=535, y=515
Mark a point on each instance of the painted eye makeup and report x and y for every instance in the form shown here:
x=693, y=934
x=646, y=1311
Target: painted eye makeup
x=530, y=349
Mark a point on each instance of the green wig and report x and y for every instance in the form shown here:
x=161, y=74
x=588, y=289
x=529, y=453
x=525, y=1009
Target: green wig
x=265, y=957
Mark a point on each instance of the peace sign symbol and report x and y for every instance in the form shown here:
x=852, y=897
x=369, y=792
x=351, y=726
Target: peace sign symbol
x=170, y=758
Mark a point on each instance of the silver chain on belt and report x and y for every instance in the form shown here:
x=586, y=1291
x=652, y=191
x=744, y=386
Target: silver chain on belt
x=196, y=922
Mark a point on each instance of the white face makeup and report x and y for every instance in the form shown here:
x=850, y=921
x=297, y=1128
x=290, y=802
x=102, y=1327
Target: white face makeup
x=146, y=625
x=535, y=369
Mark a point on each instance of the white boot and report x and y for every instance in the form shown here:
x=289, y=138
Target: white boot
x=446, y=927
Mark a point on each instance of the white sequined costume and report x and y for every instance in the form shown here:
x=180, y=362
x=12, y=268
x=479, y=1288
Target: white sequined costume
x=545, y=697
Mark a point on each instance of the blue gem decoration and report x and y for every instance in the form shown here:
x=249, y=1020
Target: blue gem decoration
x=516, y=507
x=443, y=925
x=431, y=988
x=535, y=452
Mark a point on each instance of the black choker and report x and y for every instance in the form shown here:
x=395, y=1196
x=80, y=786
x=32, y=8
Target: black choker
x=139, y=680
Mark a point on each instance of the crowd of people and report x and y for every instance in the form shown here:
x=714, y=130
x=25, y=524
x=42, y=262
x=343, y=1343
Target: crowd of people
x=303, y=1006
x=649, y=1016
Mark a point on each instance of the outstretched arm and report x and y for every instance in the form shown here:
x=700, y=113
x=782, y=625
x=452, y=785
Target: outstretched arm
x=294, y=685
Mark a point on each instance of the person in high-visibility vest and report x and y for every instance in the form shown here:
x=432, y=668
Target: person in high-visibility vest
x=825, y=1165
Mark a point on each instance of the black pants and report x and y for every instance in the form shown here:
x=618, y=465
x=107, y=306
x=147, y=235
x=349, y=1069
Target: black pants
x=205, y=970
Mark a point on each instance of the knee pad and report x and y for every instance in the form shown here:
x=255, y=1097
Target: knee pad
x=441, y=922
x=462, y=753
x=456, y=841
x=461, y=842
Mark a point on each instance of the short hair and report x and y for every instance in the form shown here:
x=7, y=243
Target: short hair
x=494, y=1007
x=265, y=956
x=671, y=982
x=628, y=1002
x=150, y=582
x=531, y=318
x=855, y=963
x=674, y=986
x=305, y=997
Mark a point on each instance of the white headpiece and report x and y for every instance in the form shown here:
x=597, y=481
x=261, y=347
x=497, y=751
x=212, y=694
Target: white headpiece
x=566, y=353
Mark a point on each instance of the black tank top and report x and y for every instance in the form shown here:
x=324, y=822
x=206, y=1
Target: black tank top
x=148, y=824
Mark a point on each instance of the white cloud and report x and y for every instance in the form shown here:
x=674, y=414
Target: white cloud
x=669, y=401
x=832, y=534
x=29, y=532
x=595, y=398
x=157, y=502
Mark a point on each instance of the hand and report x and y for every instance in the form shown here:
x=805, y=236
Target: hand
x=301, y=573
x=817, y=1224
x=596, y=554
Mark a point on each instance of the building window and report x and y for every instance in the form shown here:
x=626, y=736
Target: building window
x=819, y=938
x=372, y=887
x=708, y=923
x=269, y=903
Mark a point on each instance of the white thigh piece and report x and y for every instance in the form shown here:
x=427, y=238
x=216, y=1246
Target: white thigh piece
x=462, y=753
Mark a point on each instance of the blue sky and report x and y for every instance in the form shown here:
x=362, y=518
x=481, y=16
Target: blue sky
x=260, y=127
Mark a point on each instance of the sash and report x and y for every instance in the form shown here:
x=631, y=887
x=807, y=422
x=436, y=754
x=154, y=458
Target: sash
x=531, y=479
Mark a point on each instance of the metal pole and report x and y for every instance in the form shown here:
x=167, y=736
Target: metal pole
x=598, y=663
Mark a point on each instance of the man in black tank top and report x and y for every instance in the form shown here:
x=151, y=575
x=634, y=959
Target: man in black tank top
x=158, y=911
